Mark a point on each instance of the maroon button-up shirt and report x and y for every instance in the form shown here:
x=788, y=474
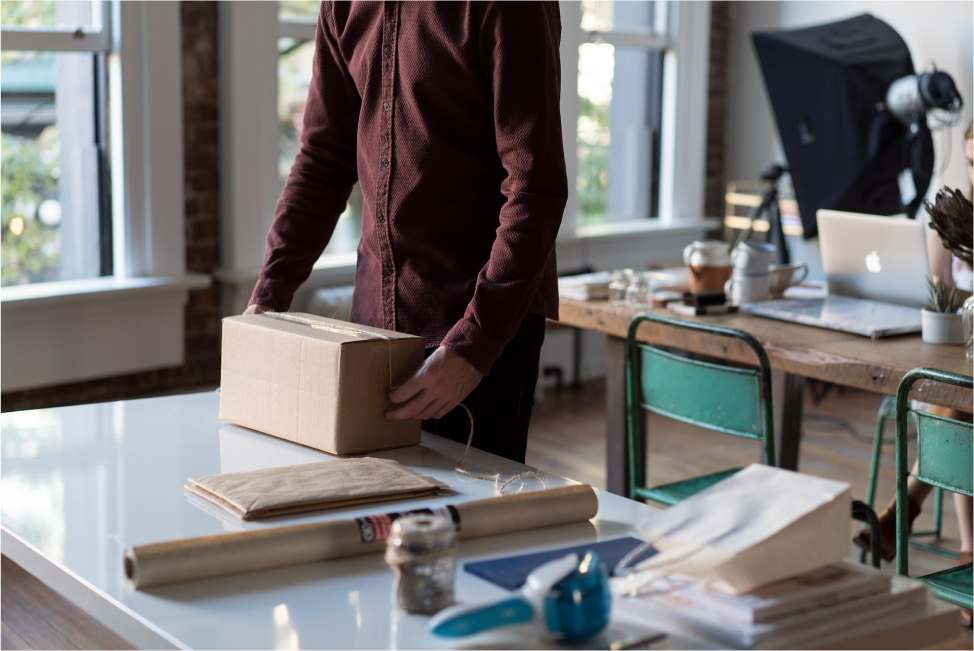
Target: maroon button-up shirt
x=448, y=115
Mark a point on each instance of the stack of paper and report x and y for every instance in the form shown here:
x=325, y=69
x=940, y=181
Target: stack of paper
x=785, y=615
x=585, y=287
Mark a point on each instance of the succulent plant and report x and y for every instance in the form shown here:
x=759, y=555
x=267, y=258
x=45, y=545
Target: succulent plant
x=941, y=298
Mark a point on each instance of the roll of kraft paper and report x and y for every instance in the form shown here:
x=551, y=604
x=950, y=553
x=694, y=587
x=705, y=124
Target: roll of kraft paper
x=249, y=551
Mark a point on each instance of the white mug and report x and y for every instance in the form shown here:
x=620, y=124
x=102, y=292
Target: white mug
x=707, y=253
x=782, y=276
x=746, y=288
x=753, y=256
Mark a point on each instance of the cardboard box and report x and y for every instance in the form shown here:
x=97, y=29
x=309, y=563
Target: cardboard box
x=316, y=381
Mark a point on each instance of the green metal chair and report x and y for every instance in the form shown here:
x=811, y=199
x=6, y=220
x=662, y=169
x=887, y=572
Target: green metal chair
x=738, y=402
x=722, y=398
x=887, y=411
x=944, y=449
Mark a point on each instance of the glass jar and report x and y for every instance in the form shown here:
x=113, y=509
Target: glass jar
x=967, y=317
x=618, y=286
x=639, y=294
x=422, y=552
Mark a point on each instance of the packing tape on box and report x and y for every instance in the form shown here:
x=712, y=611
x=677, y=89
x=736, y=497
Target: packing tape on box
x=249, y=551
x=337, y=329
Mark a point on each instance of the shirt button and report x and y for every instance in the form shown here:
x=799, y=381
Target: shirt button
x=382, y=218
x=387, y=271
x=385, y=106
x=388, y=49
x=385, y=162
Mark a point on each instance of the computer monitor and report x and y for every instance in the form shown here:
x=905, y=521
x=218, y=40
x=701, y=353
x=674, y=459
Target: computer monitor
x=874, y=257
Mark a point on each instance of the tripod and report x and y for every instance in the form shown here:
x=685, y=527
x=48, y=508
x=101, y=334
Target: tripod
x=770, y=212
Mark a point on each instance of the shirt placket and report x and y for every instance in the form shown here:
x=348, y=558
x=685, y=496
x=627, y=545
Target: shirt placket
x=390, y=20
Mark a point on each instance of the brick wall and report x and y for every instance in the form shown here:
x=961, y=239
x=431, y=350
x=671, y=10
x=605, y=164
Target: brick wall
x=201, y=143
x=716, y=102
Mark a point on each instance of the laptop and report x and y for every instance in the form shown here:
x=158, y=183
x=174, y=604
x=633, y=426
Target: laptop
x=875, y=269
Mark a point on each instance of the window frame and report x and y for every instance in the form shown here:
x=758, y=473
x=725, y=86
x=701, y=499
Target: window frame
x=250, y=188
x=132, y=320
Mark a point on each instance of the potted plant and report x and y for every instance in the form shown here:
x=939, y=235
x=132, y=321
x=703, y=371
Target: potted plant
x=941, y=322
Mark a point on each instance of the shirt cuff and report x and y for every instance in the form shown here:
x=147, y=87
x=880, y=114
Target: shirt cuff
x=275, y=294
x=473, y=344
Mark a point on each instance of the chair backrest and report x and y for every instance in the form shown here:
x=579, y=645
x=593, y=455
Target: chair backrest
x=944, y=450
x=711, y=395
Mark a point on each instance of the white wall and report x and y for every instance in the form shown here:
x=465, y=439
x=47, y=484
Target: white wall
x=935, y=32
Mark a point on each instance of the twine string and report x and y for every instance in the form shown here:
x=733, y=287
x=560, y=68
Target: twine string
x=496, y=477
x=349, y=329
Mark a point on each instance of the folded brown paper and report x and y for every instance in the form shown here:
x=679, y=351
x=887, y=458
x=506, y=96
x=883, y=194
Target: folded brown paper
x=249, y=551
x=285, y=490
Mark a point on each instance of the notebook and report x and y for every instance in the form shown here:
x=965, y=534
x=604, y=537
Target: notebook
x=510, y=572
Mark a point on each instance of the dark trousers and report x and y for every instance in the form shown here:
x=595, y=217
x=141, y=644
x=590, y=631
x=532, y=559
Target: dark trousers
x=502, y=402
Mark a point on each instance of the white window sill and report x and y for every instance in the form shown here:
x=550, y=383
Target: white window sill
x=614, y=245
x=89, y=290
x=340, y=263
x=625, y=229
x=69, y=331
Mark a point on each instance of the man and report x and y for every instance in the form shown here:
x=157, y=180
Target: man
x=448, y=116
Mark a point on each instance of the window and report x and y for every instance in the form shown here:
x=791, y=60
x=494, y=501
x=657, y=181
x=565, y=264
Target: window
x=296, y=47
x=637, y=121
x=620, y=95
x=93, y=227
x=56, y=224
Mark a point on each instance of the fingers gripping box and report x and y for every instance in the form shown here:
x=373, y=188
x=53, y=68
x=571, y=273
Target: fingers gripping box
x=316, y=381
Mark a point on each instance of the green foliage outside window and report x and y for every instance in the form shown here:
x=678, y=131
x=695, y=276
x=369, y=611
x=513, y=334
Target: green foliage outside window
x=27, y=13
x=30, y=250
x=298, y=9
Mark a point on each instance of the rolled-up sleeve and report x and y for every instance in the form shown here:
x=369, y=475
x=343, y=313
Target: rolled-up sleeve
x=519, y=55
x=321, y=178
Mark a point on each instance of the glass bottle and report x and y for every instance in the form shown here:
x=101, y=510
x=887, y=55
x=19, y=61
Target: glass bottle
x=640, y=291
x=618, y=286
x=967, y=317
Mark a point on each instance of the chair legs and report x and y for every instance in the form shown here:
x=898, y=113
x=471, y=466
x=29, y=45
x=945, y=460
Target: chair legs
x=886, y=412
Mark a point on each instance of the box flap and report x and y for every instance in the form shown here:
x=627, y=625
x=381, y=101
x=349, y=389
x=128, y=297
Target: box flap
x=318, y=327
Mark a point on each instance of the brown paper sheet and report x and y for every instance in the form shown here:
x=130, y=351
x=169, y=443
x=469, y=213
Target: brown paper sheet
x=286, y=490
x=248, y=551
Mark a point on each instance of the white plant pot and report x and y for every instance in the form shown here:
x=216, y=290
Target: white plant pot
x=942, y=328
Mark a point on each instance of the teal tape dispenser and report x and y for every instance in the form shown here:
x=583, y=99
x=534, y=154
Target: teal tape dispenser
x=567, y=598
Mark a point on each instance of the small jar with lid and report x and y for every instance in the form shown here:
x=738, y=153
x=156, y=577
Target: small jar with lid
x=640, y=291
x=618, y=286
x=422, y=552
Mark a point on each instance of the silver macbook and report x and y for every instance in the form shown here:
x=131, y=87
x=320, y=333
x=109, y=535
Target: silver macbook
x=875, y=268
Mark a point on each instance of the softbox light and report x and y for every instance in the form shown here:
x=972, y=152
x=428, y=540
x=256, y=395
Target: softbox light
x=828, y=86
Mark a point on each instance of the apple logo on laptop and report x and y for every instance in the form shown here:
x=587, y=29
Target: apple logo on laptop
x=872, y=263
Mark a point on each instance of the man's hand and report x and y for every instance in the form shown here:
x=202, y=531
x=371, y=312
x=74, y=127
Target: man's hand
x=257, y=309
x=441, y=383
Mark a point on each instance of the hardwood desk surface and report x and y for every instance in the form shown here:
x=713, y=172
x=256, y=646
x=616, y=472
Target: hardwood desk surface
x=829, y=355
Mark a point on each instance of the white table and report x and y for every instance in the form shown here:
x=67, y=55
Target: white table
x=81, y=484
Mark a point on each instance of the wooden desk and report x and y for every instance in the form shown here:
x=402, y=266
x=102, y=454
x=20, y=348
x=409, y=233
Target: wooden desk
x=797, y=351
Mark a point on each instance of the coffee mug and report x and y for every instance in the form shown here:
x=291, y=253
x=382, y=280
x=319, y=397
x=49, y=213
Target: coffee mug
x=746, y=288
x=782, y=276
x=709, y=265
x=707, y=253
x=753, y=256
